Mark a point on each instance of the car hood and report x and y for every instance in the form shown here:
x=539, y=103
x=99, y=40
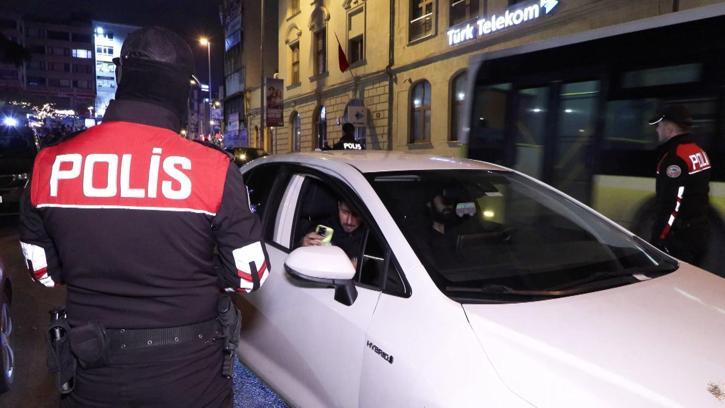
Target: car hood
x=656, y=343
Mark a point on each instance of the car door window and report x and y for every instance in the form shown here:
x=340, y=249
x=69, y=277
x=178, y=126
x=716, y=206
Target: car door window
x=264, y=189
x=378, y=268
x=320, y=202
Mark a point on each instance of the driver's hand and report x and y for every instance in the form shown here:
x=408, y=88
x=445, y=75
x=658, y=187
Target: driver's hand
x=312, y=238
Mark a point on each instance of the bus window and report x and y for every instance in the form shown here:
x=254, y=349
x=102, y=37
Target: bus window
x=531, y=130
x=626, y=124
x=675, y=74
x=571, y=172
x=488, y=121
x=630, y=144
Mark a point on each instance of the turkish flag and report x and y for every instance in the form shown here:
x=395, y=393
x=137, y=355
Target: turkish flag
x=341, y=57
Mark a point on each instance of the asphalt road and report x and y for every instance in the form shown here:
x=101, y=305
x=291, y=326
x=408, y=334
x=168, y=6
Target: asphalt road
x=33, y=385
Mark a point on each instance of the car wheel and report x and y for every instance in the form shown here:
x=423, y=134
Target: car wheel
x=7, y=357
x=6, y=322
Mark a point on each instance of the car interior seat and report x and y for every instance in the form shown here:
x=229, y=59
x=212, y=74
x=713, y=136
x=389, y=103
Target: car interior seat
x=318, y=203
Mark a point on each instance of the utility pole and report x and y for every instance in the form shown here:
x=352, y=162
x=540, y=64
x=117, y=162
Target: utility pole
x=262, y=89
x=211, y=97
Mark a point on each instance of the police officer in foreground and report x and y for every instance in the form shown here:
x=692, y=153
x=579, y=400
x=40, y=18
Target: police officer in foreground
x=683, y=176
x=148, y=231
x=347, y=141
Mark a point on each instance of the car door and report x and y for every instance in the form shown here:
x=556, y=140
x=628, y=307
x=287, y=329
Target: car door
x=308, y=346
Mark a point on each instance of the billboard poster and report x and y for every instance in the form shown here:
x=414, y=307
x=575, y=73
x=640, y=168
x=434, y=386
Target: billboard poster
x=274, y=101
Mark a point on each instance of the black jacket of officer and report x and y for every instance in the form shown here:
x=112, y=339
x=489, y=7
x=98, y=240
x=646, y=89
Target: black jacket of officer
x=347, y=141
x=683, y=176
x=145, y=229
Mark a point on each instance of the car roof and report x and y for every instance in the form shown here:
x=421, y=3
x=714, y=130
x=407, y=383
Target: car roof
x=377, y=161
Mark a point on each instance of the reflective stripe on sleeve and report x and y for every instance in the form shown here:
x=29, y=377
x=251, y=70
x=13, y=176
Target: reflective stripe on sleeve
x=673, y=216
x=37, y=263
x=251, y=264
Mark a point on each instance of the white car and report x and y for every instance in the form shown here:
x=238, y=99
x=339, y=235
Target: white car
x=474, y=286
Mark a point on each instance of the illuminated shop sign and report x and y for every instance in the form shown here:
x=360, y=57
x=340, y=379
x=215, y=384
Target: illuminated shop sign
x=514, y=16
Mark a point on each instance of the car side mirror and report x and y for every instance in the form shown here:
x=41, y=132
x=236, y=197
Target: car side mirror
x=326, y=266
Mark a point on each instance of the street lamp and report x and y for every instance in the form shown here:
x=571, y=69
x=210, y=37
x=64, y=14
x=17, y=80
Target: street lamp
x=206, y=43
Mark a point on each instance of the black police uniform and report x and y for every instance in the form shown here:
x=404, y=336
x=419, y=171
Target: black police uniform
x=683, y=176
x=146, y=229
x=347, y=142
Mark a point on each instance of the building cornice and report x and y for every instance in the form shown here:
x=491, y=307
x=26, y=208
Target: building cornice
x=334, y=90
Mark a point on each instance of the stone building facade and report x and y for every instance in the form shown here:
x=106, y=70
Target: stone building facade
x=409, y=59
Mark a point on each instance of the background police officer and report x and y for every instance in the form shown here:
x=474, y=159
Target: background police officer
x=347, y=141
x=146, y=229
x=683, y=176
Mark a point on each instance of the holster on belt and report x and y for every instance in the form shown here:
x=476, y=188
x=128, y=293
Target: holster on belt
x=90, y=344
x=60, y=358
x=231, y=321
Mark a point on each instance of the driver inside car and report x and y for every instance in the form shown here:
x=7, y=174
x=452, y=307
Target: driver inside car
x=346, y=229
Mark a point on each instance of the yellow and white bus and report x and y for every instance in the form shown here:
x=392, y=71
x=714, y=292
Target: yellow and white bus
x=572, y=111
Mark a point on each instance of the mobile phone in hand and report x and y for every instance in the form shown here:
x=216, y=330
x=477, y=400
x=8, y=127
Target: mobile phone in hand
x=325, y=232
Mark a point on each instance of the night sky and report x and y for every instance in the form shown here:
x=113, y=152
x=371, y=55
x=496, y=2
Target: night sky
x=190, y=18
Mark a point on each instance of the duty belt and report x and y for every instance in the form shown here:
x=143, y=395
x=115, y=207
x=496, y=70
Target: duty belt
x=134, y=339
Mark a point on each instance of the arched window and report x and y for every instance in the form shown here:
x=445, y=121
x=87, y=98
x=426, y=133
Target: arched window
x=420, y=112
x=458, y=96
x=296, y=125
x=320, y=126
x=318, y=25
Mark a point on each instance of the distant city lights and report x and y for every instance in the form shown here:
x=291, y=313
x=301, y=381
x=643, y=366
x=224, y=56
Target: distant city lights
x=10, y=121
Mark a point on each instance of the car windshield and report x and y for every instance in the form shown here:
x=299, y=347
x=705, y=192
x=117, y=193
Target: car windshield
x=499, y=236
x=16, y=142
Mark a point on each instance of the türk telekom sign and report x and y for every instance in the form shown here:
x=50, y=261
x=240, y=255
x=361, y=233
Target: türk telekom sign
x=518, y=15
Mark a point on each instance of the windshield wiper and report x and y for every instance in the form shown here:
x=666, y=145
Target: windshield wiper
x=640, y=274
x=498, y=289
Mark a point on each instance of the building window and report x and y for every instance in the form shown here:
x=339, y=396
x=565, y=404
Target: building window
x=58, y=35
x=295, y=63
x=420, y=113
x=356, y=50
x=296, y=123
x=58, y=67
x=35, y=32
x=356, y=35
x=84, y=38
x=36, y=65
x=422, y=19
x=8, y=74
x=320, y=126
x=81, y=53
x=37, y=49
x=36, y=81
x=320, y=51
x=458, y=96
x=85, y=69
x=105, y=82
x=462, y=10
x=294, y=6
x=104, y=50
x=59, y=83
x=61, y=51
x=81, y=84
